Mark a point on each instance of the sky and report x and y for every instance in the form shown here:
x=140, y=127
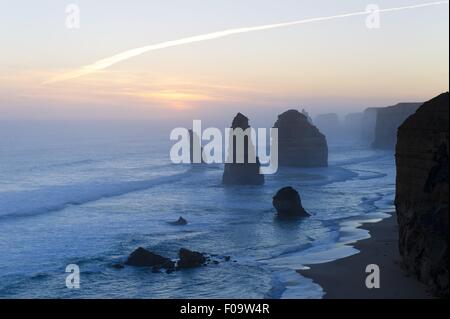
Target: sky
x=335, y=65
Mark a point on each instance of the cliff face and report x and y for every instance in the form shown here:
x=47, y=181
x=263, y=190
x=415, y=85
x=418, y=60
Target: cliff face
x=369, y=121
x=299, y=142
x=247, y=172
x=387, y=122
x=422, y=193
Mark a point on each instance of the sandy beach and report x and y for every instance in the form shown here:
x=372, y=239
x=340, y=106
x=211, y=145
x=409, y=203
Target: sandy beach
x=345, y=278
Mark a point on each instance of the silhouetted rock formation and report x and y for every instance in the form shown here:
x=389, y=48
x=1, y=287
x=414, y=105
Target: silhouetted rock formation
x=299, y=142
x=369, y=122
x=190, y=259
x=246, y=173
x=180, y=222
x=288, y=204
x=195, y=140
x=422, y=193
x=388, y=121
x=328, y=123
x=144, y=258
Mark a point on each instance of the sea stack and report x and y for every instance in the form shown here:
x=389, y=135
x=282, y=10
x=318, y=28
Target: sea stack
x=247, y=172
x=300, y=143
x=195, y=147
x=422, y=193
x=288, y=204
x=387, y=122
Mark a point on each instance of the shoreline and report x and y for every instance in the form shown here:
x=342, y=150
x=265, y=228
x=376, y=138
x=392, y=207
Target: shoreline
x=345, y=278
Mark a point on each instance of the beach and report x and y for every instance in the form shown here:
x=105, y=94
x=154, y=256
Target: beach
x=345, y=278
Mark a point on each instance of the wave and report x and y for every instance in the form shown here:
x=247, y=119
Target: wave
x=358, y=160
x=55, y=198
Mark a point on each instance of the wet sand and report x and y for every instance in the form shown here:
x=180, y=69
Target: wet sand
x=345, y=278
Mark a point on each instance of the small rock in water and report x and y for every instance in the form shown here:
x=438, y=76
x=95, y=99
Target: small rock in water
x=190, y=259
x=180, y=222
x=118, y=266
x=144, y=258
x=288, y=204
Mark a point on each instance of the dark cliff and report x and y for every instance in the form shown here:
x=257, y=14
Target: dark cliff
x=387, y=122
x=422, y=193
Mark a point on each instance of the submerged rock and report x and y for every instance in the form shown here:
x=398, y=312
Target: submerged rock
x=144, y=258
x=247, y=172
x=299, y=142
x=288, y=204
x=190, y=259
x=387, y=122
x=118, y=266
x=422, y=193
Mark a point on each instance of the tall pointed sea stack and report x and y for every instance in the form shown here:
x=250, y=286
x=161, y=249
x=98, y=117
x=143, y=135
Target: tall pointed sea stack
x=422, y=193
x=195, y=145
x=247, y=172
x=299, y=142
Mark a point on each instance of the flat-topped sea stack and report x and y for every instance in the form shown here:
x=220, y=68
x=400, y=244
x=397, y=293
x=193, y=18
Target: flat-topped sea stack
x=387, y=122
x=300, y=143
x=246, y=172
x=422, y=193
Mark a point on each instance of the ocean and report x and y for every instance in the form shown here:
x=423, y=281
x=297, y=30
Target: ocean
x=92, y=201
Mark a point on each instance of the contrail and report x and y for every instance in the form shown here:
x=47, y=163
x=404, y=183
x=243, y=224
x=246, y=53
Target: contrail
x=107, y=62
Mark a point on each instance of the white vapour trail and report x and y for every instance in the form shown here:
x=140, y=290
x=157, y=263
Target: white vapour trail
x=107, y=62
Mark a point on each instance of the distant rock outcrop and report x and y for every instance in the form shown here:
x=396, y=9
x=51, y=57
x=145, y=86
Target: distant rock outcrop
x=144, y=258
x=369, y=121
x=422, y=193
x=299, y=142
x=288, y=204
x=247, y=172
x=353, y=124
x=388, y=121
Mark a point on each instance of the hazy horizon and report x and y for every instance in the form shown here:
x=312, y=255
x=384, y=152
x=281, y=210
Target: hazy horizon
x=337, y=66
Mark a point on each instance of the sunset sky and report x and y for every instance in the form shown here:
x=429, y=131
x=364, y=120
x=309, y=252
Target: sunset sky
x=330, y=66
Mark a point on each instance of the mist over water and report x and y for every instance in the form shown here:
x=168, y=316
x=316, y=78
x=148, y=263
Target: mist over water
x=90, y=194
